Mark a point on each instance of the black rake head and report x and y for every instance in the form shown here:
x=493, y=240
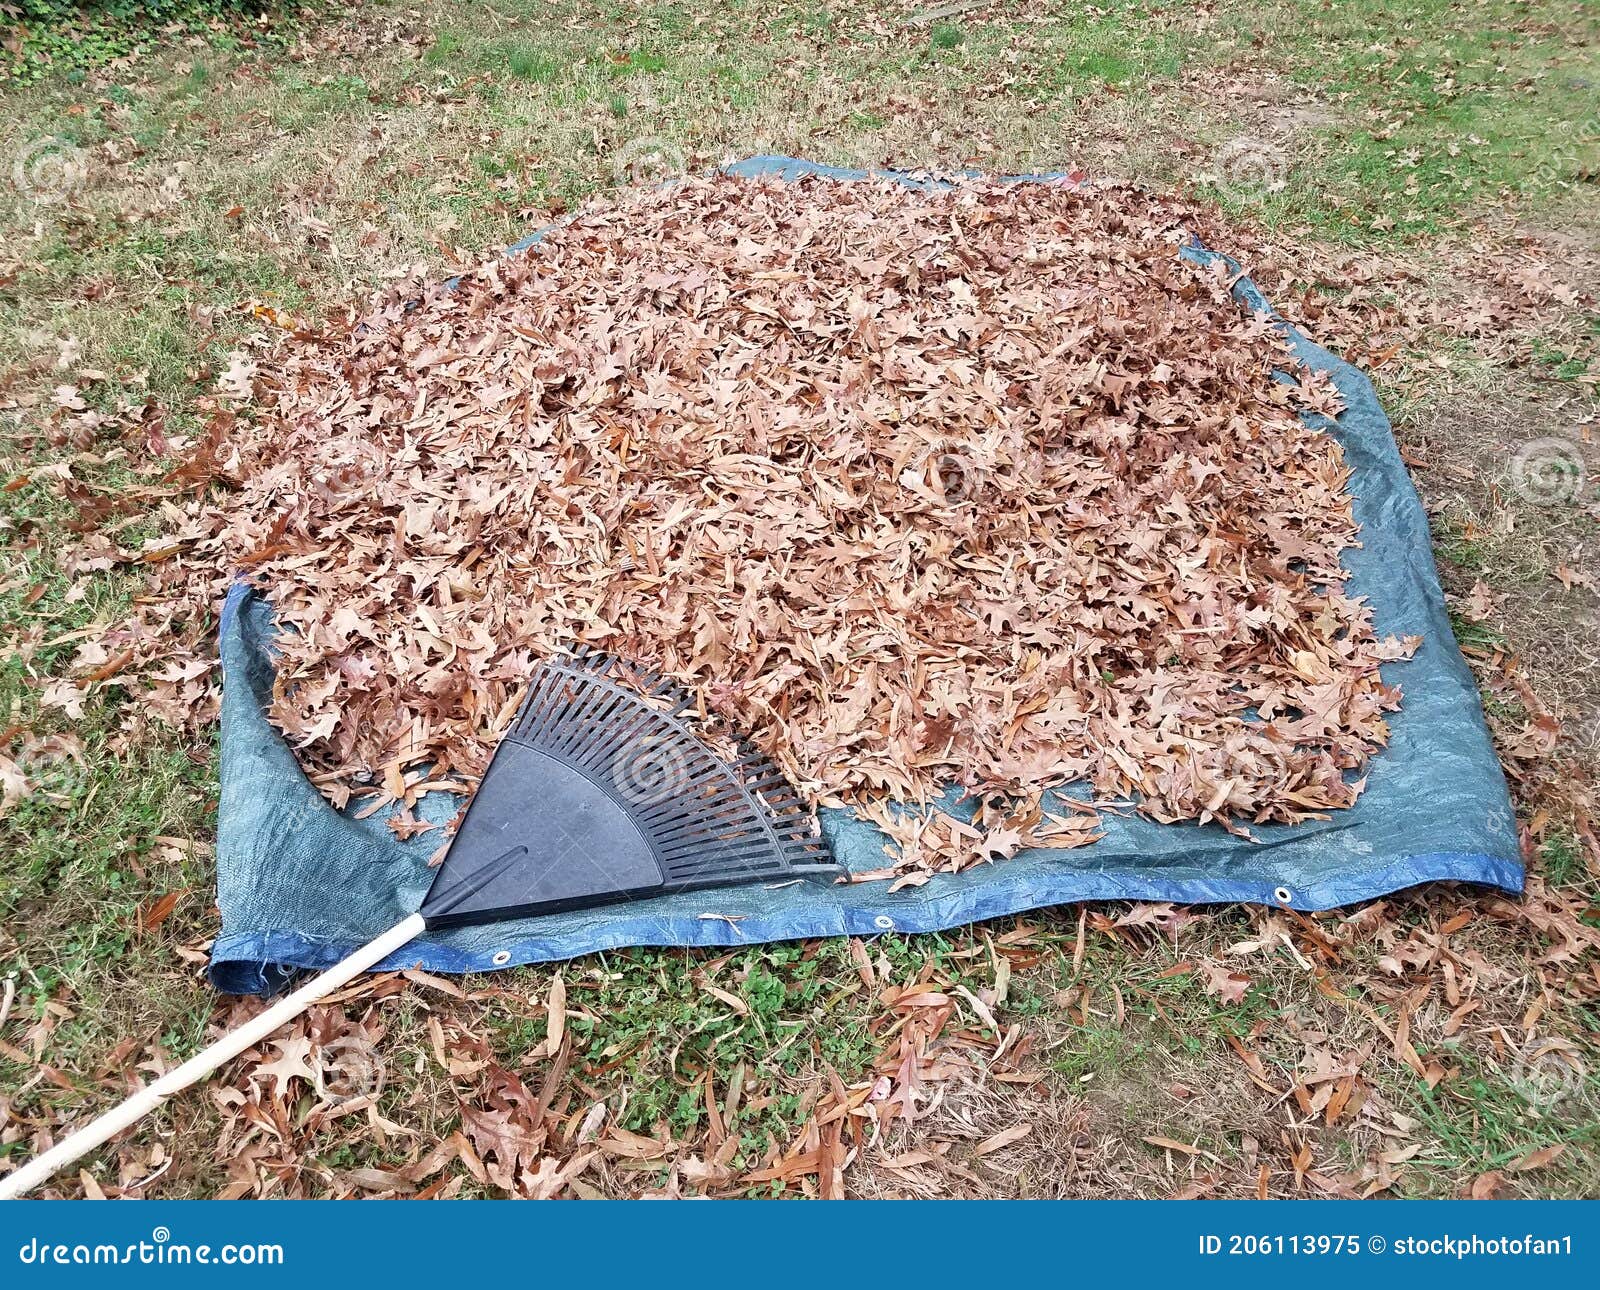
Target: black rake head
x=602, y=791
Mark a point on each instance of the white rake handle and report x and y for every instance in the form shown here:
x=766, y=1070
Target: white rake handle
x=120, y=1117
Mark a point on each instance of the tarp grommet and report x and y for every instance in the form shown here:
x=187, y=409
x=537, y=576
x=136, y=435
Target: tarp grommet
x=1283, y=895
x=883, y=923
x=501, y=958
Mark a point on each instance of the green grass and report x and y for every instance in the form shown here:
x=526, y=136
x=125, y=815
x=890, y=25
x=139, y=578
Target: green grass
x=45, y=38
x=1474, y=100
x=530, y=63
x=443, y=50
x=1467, y=553
x=1475, y=635
x=1562, y=855
x=793, y=996
x=1483, y=1121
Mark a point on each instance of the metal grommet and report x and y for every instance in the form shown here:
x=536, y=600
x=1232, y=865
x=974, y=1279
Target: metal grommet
x=501, y=958
x=883, y=923
x=1283, y=895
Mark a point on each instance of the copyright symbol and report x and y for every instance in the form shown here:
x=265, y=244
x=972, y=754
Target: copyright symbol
x=1376, y=1244
x=348, y=1068
x=161, y=1236
x=47, y=170
x=650, y=771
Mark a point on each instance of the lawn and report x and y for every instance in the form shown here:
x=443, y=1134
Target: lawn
x=1412, y=183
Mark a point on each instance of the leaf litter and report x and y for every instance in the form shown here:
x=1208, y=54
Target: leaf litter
x=1347, y=299
x=293, y=476
x=982, y=486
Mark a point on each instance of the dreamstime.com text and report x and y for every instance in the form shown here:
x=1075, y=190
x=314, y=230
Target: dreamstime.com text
x=160, y=1250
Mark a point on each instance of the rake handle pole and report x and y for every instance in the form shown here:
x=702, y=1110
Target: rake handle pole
x=107, y=1126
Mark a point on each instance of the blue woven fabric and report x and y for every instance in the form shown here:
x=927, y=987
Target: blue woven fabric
x=301, y=885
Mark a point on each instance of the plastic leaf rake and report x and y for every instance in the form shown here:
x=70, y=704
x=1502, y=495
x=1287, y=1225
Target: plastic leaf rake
x=600, y=791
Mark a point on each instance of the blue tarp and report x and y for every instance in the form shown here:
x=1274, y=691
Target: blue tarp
x=301, y=885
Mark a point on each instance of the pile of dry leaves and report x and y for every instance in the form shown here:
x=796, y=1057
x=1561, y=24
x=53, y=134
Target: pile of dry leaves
x=982, y=486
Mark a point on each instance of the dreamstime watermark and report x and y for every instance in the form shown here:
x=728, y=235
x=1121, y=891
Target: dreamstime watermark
x=349, y=1069
x=1248, y=168
x=1553, y=170
x=1547, y=1072
x=946, y=473
x=49, y=169
x=350, y=475
x=650, y=770
x=51, y=766
x=1501, y=822
x=160, y=1249
x=1548, y=471
x=1586, y=729
x=648, y=161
